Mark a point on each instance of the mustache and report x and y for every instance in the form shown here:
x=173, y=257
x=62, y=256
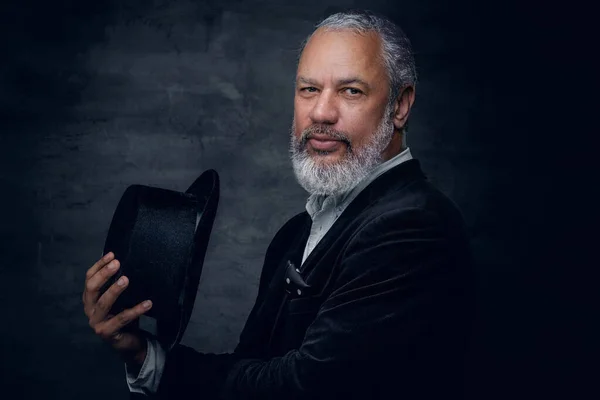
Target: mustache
x=324, y=130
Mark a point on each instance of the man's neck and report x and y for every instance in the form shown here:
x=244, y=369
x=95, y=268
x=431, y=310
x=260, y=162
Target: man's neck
x=395, y=147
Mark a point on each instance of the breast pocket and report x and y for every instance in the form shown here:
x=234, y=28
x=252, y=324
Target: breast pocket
x=300, y=314
x=304, y=305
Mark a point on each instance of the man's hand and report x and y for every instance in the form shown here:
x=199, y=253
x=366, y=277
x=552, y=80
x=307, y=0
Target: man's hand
x=130, y=344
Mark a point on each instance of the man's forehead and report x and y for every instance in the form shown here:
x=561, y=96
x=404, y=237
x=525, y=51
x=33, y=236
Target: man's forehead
x=341, y=55
x=343, y=39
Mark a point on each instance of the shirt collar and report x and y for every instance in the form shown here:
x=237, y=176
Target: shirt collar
x=316, y=202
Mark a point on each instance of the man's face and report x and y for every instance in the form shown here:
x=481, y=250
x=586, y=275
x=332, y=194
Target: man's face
x=341, y=119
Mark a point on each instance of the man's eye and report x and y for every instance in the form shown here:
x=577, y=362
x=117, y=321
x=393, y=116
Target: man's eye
x=309, y=89
x=353, y=91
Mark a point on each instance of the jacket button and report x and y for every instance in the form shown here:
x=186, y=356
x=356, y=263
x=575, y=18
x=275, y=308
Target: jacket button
x=287, y=280
x=299, y=292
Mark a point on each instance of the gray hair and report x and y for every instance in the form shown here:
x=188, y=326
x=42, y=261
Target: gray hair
x=396, y=51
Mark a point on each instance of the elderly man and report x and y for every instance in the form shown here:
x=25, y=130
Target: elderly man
x=378, y=304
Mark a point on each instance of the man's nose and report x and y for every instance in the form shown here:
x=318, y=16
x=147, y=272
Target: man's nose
x=325, y=109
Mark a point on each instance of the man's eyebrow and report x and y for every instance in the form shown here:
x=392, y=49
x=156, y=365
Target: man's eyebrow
x=353, y=79
x=306, y=81
x=345, y=81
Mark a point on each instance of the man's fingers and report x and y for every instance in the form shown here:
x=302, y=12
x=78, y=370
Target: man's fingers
x=106, y=301
x=87, y=298
x=108, y=257
x=113, y=326
x=95, y=282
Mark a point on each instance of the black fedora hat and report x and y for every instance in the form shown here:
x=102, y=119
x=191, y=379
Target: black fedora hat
x=160, y=238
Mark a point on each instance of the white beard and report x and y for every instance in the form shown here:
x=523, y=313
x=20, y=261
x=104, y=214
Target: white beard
x=317, y=177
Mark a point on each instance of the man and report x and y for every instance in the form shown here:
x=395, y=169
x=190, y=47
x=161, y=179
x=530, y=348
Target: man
x=380, y=303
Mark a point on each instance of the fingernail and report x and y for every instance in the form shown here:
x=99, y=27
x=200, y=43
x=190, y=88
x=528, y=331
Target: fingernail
x=107, y=255
x=121, y=281
x=147, y=304
x=112, y=265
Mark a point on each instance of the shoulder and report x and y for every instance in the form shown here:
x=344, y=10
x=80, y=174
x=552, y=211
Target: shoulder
x=418, y=204
x=415, y=223
x=422, y=242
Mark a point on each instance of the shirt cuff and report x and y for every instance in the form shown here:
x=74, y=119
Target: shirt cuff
x=148, y=379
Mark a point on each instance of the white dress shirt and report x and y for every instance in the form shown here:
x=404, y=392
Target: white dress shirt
x=323, y=210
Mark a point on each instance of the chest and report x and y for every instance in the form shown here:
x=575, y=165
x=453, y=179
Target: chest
x=295, y=295
x=295, y=290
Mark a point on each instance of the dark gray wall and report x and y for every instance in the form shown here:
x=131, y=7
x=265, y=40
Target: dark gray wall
x=96, y=96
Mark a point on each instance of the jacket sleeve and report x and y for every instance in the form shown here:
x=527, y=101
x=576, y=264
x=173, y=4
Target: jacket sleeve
x=396, y=287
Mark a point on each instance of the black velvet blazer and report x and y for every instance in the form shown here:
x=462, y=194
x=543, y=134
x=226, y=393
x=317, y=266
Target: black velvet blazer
x=386, y=314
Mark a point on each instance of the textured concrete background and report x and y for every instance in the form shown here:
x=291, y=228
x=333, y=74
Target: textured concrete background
x=96, y=96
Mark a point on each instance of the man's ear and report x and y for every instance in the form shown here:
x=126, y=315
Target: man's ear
x=402, y=106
